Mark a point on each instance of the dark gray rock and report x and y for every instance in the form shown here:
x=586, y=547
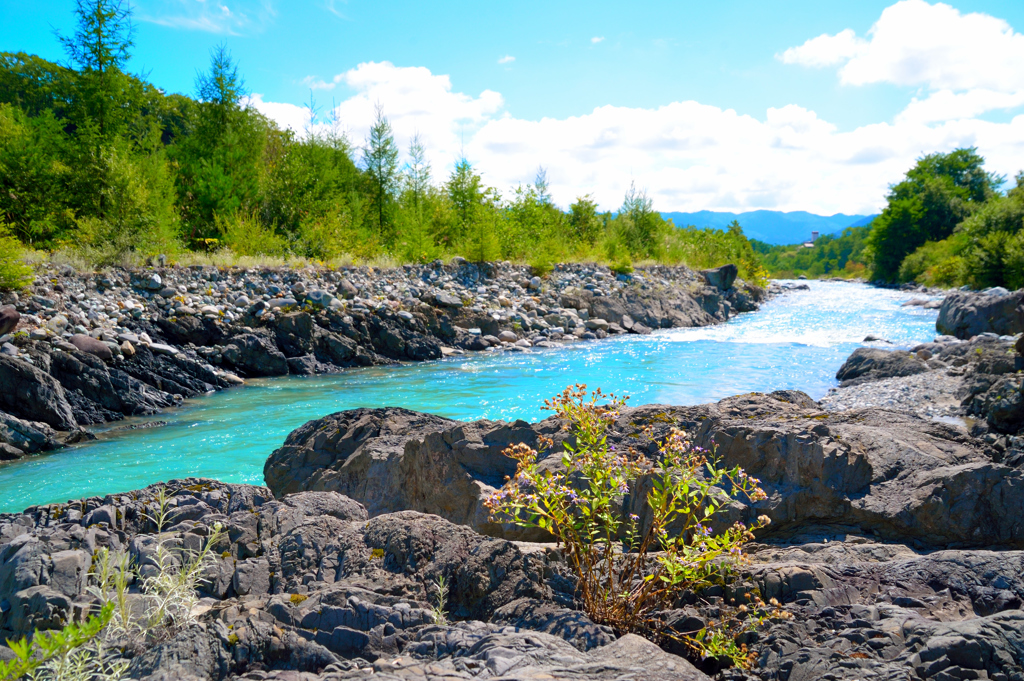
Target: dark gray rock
x=31, y=394
x=28, y=437
x=255, y=355
x=873, y=364
x=966, y=314
x=722, y=277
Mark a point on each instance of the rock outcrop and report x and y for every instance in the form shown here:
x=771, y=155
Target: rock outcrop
x=307, y=584
x=966, y=314
x=883, y=473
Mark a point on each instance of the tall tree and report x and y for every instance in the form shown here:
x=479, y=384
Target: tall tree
x=583, y=220
x=465, y=192
x=221, y=87
x=417, y=171
x=641, y=223
x=380, y=158
x=100, y=48
x=939, y=192
x=540, y=183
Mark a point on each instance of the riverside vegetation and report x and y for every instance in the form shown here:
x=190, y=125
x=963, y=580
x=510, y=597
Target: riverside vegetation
x=104, y=168
x=945, y=224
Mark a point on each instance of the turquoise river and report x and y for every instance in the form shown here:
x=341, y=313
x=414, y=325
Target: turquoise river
x=798, y=340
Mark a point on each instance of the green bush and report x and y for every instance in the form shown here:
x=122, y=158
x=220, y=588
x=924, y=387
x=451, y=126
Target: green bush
x=245, y=235
x=14, y=272
x=629, y=571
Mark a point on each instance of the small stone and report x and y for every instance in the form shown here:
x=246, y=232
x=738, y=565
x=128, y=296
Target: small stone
x=127, y=349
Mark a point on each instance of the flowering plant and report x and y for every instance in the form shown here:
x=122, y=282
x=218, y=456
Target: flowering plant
x=629, y=570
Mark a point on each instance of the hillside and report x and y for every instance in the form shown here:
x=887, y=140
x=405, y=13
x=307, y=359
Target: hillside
x=770, y=226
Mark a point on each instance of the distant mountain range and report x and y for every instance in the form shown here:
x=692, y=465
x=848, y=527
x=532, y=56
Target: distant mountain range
x=771, y=226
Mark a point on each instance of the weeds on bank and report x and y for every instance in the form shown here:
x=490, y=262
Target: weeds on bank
x=163, y=602
x=629, y=569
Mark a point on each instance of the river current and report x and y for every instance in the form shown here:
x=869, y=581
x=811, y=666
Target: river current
x=796, y=341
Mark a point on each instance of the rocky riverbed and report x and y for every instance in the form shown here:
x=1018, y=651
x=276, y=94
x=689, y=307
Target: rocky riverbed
x=896, y=547
x=87, y=348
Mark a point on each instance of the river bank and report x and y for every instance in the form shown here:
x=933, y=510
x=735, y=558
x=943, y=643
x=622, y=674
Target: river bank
x=86, y=349
x=895, y=548
x=795, y=341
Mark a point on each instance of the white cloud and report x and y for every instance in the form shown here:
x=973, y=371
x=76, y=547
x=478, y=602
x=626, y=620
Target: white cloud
x=229, y=17
x=825, y=50
x=968, y=63
x=507, y=59
x=597, y=39
x=689, y=156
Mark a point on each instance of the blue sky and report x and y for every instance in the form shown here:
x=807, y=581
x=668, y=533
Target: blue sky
x=675, y=96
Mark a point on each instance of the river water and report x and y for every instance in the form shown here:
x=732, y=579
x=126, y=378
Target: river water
x=796, y=341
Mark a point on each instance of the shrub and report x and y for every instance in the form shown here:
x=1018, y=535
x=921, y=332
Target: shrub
x=628, y=572
x=14, y=272
x=245, y=235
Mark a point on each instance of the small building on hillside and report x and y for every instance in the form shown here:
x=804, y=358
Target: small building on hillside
x=810, y=244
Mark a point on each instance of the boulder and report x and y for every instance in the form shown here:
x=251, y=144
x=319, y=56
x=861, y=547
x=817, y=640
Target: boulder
x=873, y=364
x=966, y=314
x=722, y=277
x=885, y=473
x=255, y=356
x=294, y=332
x=27, y=437
x=9, y=319
x=31, y=394
x=92, y=346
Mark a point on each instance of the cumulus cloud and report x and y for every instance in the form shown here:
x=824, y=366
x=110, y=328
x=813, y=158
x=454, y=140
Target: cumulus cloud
x=228, y=17
x=507, y=59
x=596, y=39
x=692, y=156
x=968, y=63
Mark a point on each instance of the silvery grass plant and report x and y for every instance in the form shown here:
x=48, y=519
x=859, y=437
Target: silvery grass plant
x=164, y=602
x=628, y=572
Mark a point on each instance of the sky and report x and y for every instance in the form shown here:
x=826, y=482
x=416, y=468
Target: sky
x=730, y=105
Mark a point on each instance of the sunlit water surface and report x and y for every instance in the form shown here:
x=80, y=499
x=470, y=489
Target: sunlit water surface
x=797, y=340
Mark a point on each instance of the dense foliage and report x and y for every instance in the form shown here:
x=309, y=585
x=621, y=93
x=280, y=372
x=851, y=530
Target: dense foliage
x=946, y=223
x=832, y=255
x=99, y=161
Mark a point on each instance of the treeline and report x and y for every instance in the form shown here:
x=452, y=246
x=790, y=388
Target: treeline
x=948, y=224
x=832, y=255
x=102, y=162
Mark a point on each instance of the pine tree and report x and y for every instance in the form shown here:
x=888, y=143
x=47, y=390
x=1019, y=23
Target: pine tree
x=380, y=157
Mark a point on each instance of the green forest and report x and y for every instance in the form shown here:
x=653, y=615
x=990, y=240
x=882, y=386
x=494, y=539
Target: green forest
x=99, y=166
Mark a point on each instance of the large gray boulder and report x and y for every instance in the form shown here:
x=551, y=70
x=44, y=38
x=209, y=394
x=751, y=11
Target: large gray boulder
x=881, y=472
x=966, y=314
x=29, y=393
x=18, y=437
x=722, y=277
x=255, y=355
x=873, y=364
